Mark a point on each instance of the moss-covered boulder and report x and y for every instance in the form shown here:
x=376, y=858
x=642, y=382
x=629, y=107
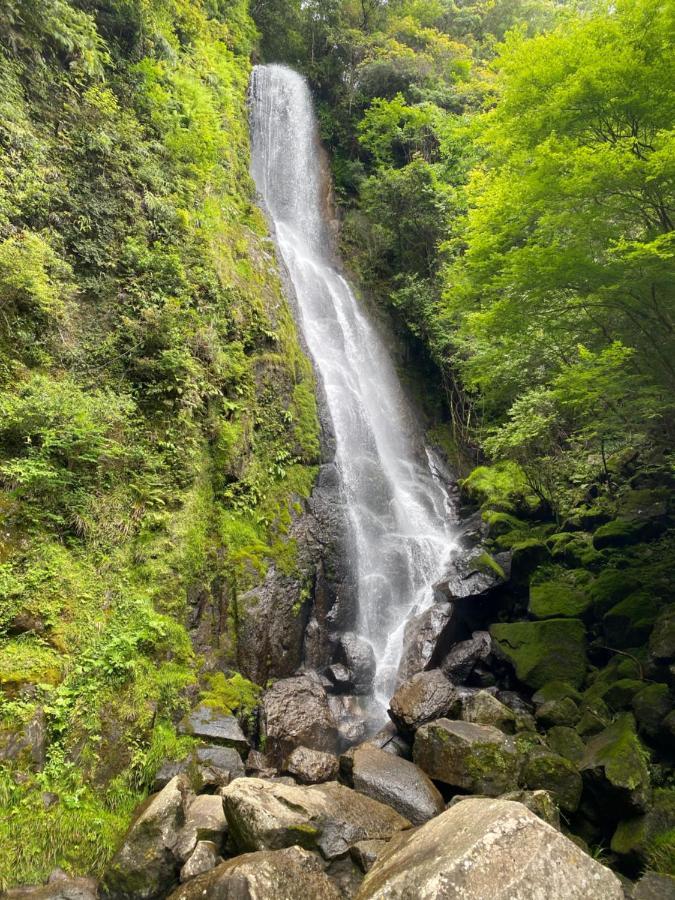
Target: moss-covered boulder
x=610, y=587
x=573, y=548
x=558, y=712
x=651, y=706
x=550, y=650
x=643, y=514
x=650, y=839
x=630, y=622
x=564, y=594
x=475, y=758
x=595, y=716
x=555, y=690
x=615, y=766
x=547, y=771
x=619, y=694
x=565, y=742
x=662, y=638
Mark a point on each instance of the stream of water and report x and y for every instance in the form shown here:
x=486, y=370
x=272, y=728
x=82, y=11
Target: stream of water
x=398, y=507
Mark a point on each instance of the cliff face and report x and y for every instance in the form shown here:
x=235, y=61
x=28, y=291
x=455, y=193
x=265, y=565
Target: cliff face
x=158, y=427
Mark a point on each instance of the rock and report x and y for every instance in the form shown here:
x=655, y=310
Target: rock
x=261, y=765
x=565, y=596
x=207, y=723
x=643, y=514
x=619, y=694
x=427, y=696
x=205, y=821
x=614, y=766
x=219, y=765
x=357, y=654
x=482, y=849
x=311, y=766
x=389, y=739
x=541, y=803
x=630, y=622
x=555, y=690
x=482, y=708
x=395, y=782
x=542, y=651
x=654, y=886
x=203, y=858
x=460, y=661
x=474, y=574
x=26, y=746
x=170, y=770
x=327, y=817
x=291, y=874
x=558, y=712
x=662, y=638
x=61, y=887
x=649, y=839
x=340, y=676
x=364, y=853
x=144, y=867
x=477, y=758
x=651, y=705
x=424, y=638
x=565, y=742
x=297, y=714
x=544, y=770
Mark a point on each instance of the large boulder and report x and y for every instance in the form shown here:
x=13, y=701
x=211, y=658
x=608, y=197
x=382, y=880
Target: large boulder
x=210, y=724
x=203, y=858
x=461, y=660
x=330, y=817
x=474, y=574
x=297, y=714
x=395, y=782
x=204, y=821
x=424, y=638
x=543, y=651
x=476, y=758
x=481, y=708
x=654, y=886
x=487, y=848
x=614, y=766
x=548, y=771
x=282, y=875
x=427, y=696
x=145, y=867
x=358, y=656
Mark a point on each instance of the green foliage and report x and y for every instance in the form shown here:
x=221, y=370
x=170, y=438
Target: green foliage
x=233, y=696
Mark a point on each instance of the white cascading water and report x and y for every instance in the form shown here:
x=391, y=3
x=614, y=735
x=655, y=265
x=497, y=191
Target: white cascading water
x=398, y=508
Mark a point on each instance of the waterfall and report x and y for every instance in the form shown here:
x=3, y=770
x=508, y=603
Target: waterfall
x=398, y=508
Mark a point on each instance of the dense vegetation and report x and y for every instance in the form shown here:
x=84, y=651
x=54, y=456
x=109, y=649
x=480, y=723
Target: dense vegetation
x=157, y=417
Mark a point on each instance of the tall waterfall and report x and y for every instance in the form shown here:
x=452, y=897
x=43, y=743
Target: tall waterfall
x=397, y=506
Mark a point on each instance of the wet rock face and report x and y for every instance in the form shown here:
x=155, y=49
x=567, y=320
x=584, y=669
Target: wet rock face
x=487, y=848
x=328, y=818
x=395, y=781
x=282, y=875
x=297, y=714
x=427, y=696
x=358, y=657
x=425, y=637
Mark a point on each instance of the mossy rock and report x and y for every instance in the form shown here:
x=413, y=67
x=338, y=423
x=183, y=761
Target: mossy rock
x=564, y=595
x=662, y=638
x=558, y=712
x=650, y=838
x=617, y=763
x=500, y=523
x=527, y=555
x=502, y=486
x=587, y=517
x=643, y=514
x=547, y=771
x=565, y=742
x=651, y=706
x=595, y=717
x=610, y=587
x=620, y=694
x=629, y=623
x=540, y=652
x=556, y=690
x=573, y=548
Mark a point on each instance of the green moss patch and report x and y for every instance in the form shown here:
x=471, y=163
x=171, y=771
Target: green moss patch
x=540, y=652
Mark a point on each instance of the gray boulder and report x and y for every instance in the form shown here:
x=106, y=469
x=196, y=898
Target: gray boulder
x=482, y=708
x=330, y=818
x=203, y=858
x=424, y=638
x=358, y=656
x=487, y=848
x=291, y=874
x=427, y=696
x=364, y=853
x=461, y=660
x=59, y=887
x=218, y=765
x=205, y=821
x=654, y=886
x=311, y=766
x=476, y=758
x=209, y=724
x=395, y=782
x=297, y=714
x=144, y=867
